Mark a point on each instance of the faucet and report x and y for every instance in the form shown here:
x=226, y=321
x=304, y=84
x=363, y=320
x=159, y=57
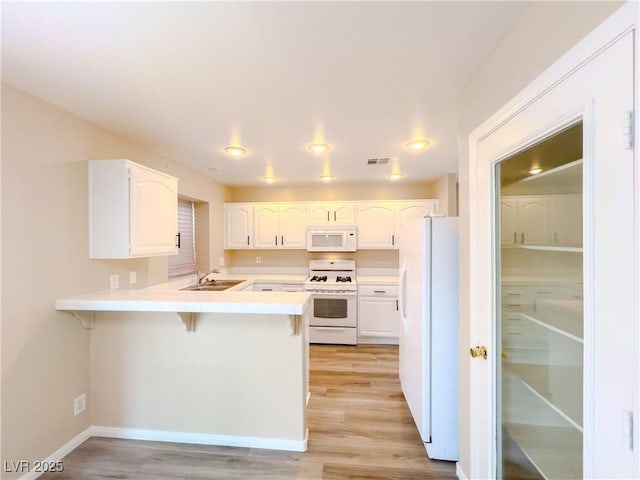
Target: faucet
x=203, y=275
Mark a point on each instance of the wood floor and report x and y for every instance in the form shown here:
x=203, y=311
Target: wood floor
x=360, y=428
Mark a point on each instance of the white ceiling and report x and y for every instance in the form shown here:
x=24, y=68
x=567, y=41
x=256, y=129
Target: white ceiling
x=187, y=79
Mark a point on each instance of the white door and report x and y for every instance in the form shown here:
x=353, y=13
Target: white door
x=376, y=225
x=593, y=84
x=509, y=224
x=238, y=228
x=265, y=226
x=153, y=212
x=292, y=225
x=532, y=221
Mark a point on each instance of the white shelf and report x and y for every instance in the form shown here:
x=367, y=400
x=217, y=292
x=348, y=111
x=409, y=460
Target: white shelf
x=546, y=248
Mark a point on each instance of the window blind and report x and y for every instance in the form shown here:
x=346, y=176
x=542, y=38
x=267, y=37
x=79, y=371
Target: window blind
x=184, y=263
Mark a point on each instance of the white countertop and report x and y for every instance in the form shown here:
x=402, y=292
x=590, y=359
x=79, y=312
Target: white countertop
x=167, y=297
x=377, y=279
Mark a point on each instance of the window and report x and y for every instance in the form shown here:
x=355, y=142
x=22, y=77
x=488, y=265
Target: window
x=184, y=263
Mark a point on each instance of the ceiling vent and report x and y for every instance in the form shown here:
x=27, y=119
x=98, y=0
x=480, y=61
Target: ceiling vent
x=378, y=161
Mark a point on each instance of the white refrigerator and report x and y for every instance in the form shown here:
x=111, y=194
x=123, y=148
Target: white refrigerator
x=429, y=330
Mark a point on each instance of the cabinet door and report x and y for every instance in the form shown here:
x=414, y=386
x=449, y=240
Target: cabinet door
x=376, y=225
x=566, y=220
x=533, y=221
x=509, y=221
x=238, y=226
x=318, y=214
x=265, y=223
x=344, y=214
x=292, y=226
x=153, y=212
x=378, y=317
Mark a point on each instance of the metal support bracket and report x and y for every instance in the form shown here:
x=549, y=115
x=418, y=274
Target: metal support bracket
x=86, y=319
x=189, y=320
x=294, y=325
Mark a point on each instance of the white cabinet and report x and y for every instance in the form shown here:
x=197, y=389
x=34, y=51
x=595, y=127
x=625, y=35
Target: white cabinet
x=525, y=221
x=133, y=210
x=379, y=222
x=376, y=223
x=238, y=228
x=278, y=225
x=566, y=220
x=544, y=220
x=277, y=287
x=378, y=314
x=334, y=213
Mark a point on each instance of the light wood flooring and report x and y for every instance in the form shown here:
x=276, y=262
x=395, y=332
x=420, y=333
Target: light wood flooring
x=360, y=428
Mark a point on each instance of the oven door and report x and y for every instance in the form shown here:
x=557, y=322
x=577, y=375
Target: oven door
x=333, y=309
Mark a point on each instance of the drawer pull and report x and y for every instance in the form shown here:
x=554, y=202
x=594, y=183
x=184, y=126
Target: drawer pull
x=379, y=291
x=330, y=329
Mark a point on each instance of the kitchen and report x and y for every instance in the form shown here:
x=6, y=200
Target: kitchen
x=45, y=354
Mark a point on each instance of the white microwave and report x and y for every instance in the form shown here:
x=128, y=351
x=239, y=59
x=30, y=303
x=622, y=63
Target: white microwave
x=331, y=238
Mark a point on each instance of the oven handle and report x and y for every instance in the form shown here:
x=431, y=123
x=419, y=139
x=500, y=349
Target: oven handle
x=333, y=294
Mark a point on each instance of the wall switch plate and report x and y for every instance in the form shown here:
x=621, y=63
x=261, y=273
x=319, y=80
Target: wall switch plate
x=79, y=404
x=133, y=277
x=114, y=281
x=221, y=262
x=258, y=259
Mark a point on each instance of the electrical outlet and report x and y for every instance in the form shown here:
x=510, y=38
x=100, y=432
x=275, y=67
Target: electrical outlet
x=114, y=281
x=221, y=262
x=133, y=277
x=258, y=259
x=79, y=404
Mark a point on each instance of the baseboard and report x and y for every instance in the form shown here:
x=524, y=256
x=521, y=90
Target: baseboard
x=378, y=340
x=459, y=472
x=62, y=452
x=202, y=438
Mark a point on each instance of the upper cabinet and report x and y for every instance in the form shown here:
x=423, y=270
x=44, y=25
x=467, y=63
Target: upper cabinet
x=238, y=226
x=333, y=213
x=133, y=210
x=544, y=221
x=278, y=225
x=270, y=225
x=376, y=225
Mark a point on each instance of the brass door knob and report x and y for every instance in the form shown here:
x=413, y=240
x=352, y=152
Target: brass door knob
x=478, y=351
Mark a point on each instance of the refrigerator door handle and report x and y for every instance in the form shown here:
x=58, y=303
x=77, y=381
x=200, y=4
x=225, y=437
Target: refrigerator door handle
x=402, y=294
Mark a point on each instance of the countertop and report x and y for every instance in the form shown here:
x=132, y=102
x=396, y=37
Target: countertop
x=167, y=297
x=377, y=279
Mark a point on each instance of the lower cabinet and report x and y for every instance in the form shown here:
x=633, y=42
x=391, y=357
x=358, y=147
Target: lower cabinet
x=378, y=314
x=277, y=287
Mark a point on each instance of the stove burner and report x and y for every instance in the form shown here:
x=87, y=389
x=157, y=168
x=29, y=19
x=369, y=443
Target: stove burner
x=317, y=278
x=345, y=279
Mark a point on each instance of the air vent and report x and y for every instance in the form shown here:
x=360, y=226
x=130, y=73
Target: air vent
x=378, y=161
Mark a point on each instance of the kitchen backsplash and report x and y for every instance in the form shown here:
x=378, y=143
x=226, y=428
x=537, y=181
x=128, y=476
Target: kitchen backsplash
x=385, y=259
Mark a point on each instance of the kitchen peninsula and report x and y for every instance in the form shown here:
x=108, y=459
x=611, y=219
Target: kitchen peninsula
x=237, y=374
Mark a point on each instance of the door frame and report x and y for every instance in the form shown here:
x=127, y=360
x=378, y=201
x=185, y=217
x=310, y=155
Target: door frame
x=481, y=244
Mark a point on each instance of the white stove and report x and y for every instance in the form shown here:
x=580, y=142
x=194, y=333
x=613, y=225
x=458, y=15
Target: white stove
x=334, y=301
x=331, y=276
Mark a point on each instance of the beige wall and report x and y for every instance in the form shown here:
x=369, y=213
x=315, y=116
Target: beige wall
x=45, y=354
x=545, y=31
x=390, y=191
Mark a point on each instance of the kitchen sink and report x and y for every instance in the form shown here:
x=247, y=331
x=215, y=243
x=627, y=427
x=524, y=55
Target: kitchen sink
x=214, y=286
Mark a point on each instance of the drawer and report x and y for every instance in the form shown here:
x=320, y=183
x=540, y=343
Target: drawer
x=338, y=335
x=378, y=291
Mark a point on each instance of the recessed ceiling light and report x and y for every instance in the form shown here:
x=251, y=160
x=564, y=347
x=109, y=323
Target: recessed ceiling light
x=395, y=176
x=535, y=170
x=326, y=178
x=318, y=147
x=420, y=144
x=268, y=179
x=235, y=151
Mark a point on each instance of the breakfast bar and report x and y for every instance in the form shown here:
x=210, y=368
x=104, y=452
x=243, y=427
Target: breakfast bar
x=237, y=375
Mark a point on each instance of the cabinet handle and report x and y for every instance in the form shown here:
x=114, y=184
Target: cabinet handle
x=393, y=240
x=327, y=215
x=515, y=237
x=334, y=215
x=276, y=240
x=282, y=240
x=379, y=291
x=267, y=289
x=397, y=306
x=178, y=240
x=248, y=240
x=522, y=238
